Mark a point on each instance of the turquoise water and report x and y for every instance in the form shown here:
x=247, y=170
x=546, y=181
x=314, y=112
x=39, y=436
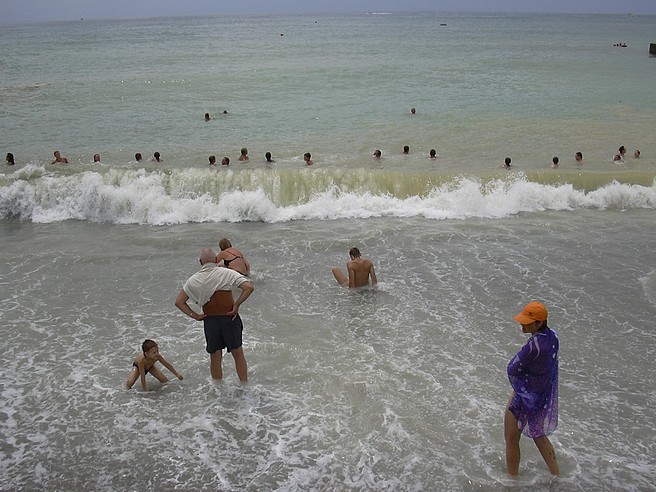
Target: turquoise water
x=401, y=387
x=529, y=86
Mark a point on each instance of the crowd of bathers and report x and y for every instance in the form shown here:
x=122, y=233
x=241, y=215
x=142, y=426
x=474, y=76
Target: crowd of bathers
x=377, y=154
x=138, y=157
x=618, y=157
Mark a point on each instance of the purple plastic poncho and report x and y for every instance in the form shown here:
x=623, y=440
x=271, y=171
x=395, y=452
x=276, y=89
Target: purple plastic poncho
x=533, y=374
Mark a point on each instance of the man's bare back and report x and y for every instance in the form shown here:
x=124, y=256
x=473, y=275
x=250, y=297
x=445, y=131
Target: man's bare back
x=359, y=271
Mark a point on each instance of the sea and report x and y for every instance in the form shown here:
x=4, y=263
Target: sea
x=397, y=387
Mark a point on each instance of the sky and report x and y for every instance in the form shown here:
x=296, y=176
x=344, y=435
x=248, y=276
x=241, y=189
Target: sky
x=25, y=11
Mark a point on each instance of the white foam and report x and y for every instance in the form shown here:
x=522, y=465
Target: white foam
x=649, y=285
x=155, y=197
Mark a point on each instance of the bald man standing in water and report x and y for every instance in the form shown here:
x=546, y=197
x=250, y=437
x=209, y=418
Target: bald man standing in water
x=359, y=271
x=210, y=288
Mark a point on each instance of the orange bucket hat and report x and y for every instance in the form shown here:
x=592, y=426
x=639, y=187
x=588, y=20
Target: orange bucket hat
x=533, y=311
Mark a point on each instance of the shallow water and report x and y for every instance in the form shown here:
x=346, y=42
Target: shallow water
x=399, y=387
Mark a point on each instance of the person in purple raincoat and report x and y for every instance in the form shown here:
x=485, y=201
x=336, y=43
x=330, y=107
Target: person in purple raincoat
x=533, y=375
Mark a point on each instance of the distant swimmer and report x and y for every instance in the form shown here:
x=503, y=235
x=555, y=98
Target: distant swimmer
x=207, y=117
x=59, y=159
x=145, y=362
x=307, y=157
x=268, y=158
x=244, y=154
x=578, y=157
x=212, y=160
x=377, y=154
x=156, y=157
x=138, y=157
x=359, y=271
x=406, y=149
x=413, y=111
x=10, y=159
x=636, y=154
x=619, y=157
x=554, y=162
x=432, y=154
x=225, y=161
x=96, y=157
x=506, y=163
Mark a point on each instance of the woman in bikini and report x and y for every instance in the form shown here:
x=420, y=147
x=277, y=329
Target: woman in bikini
x=233, y=258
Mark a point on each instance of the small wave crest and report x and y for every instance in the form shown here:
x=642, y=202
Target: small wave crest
x=181, y=196
x=649, y=286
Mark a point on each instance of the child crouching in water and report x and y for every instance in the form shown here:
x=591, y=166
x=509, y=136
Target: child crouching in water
x=145, y=362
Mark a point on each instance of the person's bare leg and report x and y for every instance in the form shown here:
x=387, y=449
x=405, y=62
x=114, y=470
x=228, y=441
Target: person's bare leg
x=339, y=276
x=240, y=364
x=512, y=434
x=132, y=378
x=215, y=364
x=159, y=375
x=548, y=454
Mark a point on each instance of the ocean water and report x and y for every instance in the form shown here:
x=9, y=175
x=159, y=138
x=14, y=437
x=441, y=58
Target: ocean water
x=399, y=387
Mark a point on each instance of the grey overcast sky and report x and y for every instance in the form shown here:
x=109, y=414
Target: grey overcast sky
x=22, y=11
